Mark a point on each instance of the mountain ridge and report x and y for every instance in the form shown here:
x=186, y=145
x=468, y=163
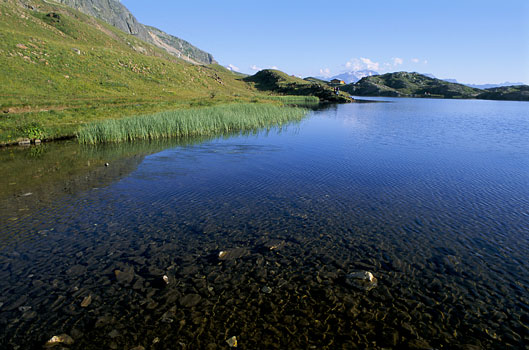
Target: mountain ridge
x=476, y=86
x=354, y=76
x=406, y=84
x=116, y=14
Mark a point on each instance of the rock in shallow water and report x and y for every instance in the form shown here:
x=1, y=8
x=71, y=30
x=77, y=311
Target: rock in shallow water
x=233, y=254
x=86, y=301
x=59, y=339
x=266, y=290
x=232, y=342
x=363, y=280
x=124, y=277
x=190, y=300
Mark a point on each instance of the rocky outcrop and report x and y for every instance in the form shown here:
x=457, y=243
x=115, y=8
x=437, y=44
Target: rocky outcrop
x=116, y=14
x=112, y=12
x=179, y=47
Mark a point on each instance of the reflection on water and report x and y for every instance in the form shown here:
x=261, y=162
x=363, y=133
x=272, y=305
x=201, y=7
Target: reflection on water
x=259, y=236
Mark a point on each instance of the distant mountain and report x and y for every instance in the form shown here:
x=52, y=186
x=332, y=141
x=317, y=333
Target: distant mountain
x=404, y=84
x=429, y=75
x=350, y=77
x=490, y=86
x=477, y=86
x=114, y=13
x=513, y=93
x=354, y=76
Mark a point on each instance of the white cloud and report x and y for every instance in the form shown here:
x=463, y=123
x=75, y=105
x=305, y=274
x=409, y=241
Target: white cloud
x=232, y=67
x=255, y=67
x=425, y=62
x=370, y=64
x=361, y=64
x=325, y=72
x=397, y=61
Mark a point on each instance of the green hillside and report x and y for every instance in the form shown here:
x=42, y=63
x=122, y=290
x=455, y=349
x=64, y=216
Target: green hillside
x=404, y=84
x=316, y=81
x=271, y=80
x=514, y=93
x=62, y=69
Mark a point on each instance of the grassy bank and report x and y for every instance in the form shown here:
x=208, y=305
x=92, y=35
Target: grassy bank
x=189, y=122
x=63, y=70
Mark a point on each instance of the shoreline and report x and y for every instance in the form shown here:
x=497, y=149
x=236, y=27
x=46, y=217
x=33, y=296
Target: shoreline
x=30, y=128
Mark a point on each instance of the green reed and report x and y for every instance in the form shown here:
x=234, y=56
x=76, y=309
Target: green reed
x=292, y=99
x=189, y=123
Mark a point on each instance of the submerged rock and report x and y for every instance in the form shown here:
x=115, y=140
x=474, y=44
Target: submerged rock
x=363, y=280
x=233, y=253
x=114, y=334
x=124, y=277
x=232, y=342
x=275, y=244
x=266, y=290
x=86, y=301
x=24, y=308
x=190, y=300
x=59, y=339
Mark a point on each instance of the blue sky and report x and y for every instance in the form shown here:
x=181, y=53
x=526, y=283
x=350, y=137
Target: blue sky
x=468, y=40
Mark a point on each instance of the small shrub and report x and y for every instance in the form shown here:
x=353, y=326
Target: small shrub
x=32, y=131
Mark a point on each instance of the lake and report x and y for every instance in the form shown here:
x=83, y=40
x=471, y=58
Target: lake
x=402, y=224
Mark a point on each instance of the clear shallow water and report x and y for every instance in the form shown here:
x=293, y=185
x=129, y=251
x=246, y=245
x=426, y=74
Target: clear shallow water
x=431, y=196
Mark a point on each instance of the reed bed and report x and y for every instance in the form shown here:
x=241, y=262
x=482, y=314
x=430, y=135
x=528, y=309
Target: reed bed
x=208, y=121
x=293, y=99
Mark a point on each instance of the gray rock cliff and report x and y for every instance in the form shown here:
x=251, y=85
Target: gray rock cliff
x=116, y=14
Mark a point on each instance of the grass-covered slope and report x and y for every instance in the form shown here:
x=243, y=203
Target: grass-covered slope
x=406, y=84
x=316, y=81
x=61, y=69
x=278, y=82
x=514, y=93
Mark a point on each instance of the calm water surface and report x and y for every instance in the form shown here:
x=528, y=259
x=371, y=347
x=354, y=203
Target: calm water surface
x=183, y=245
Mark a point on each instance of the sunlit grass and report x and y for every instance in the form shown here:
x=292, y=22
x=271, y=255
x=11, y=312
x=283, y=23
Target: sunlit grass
x=189, y=123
